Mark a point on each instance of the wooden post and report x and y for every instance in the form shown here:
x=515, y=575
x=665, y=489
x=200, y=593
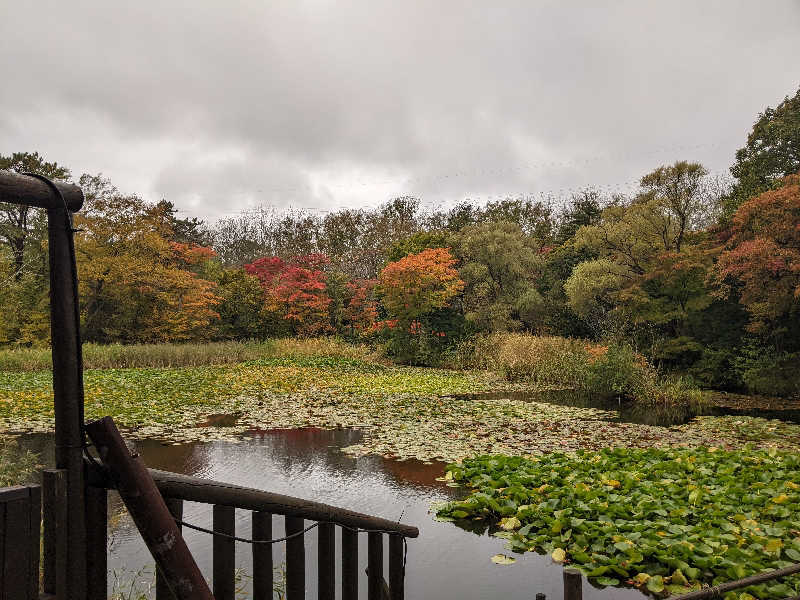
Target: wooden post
x=15, y=547
x=295, y=560
x=175, y=508
x=262, y=556
x=573, y=583
x=149, y=512
x=35, y=529
x=96, y=543
x=54, y=521
x=224, y=550
x=326, y=562
x=68, y=390
x=374, y=566
x=396, y=567
x=349, y=564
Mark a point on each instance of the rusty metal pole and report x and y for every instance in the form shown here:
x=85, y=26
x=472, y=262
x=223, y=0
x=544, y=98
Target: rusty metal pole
x=150, y=513
x=68, y=387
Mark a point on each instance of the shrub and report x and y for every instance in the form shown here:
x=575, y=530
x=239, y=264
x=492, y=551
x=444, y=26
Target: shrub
x=716, y=369
x=620, y=372
x=769, y=373
x=549, y=361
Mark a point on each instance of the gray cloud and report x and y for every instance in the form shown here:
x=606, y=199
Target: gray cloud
x=219, y=106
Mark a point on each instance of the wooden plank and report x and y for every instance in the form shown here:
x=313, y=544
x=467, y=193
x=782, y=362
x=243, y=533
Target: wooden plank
x=262, y=556
x=224, y=550
x=326, y=562
x=397, y=573
x=349, y=564
x=148, y=510
x=374, y=566
x=196, y=489
x=96, y=543
x=34, y=538
x=54, y=522
x=17, y=549
x=15, y=492
x=175, y=508
x=295, y=560
x=573, y=583
x=2, y=549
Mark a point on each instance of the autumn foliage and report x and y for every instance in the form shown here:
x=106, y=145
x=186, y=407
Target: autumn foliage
x=419, y=284
x=762, y=257
x=296, y=290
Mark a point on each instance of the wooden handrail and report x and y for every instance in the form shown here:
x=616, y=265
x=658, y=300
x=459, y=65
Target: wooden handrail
x=29, y=191
x=196, y=489
x=207, y=491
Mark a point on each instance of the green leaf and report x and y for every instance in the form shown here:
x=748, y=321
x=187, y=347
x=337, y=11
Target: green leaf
x=656, y=584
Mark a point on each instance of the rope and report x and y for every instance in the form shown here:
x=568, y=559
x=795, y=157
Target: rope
x=298, y=534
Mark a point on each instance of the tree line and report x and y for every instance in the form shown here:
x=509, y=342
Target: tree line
x=700, y=275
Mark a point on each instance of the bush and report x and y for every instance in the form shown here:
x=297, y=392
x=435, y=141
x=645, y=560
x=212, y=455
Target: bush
x=769, y=373
x=678, y=353
x=716, y=369
x=620, y=372
x=614, y=371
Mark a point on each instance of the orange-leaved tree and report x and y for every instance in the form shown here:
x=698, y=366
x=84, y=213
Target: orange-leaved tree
x=761, y=260
x=136, y=286
x=361, y=311
x=419, y=284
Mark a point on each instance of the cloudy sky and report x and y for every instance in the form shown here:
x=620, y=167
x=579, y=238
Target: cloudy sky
x=220, y=106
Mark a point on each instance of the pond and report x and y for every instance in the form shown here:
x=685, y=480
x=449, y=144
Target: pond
x=445, y=562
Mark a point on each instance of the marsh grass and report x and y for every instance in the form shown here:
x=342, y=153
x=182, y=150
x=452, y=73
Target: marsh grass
x=607, y=371
x=16, y=465
x=118, y=356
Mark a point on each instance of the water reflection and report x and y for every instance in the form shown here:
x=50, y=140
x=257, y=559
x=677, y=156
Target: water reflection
x=445, y=562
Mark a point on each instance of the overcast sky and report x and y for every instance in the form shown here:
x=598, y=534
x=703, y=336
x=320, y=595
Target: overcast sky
x=218, y=106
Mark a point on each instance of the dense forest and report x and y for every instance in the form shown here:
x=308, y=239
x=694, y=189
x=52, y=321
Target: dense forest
x=701, y=276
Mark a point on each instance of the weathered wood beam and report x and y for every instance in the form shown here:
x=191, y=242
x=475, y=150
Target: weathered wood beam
x=195, y=489
x=29, y=191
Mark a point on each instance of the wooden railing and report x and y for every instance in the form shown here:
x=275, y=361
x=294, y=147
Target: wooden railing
x=225, y=499
x=20, y=517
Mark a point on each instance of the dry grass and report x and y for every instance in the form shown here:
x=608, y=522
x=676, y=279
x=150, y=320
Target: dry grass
x=118, y=356
x=556, y=362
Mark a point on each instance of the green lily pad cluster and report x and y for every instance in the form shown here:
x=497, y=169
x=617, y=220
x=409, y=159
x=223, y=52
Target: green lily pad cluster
x=664, y=520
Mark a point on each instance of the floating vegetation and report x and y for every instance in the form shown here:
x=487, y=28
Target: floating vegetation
x=663, y=520
x=404, y=412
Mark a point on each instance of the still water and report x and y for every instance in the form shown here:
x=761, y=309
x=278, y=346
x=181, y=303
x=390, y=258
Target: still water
x=444, y=563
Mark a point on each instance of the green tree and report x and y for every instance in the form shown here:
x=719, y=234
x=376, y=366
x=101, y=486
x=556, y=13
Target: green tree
x=417, y=242
x=772, y=152
x=500, y=266
x=20, y=223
